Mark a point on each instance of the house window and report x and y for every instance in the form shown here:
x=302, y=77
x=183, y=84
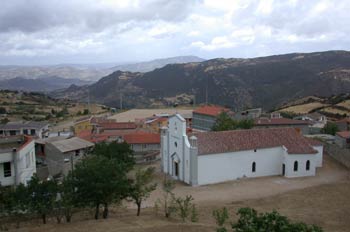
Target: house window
x=175, y=144
x=7, y=169
x=32, y=132
x=253, y=167
x=25, y=131
x=295, y=166
x=308, y=165
x=77, y=152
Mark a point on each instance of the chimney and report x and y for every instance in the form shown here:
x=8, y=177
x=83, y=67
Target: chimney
x=193, y=141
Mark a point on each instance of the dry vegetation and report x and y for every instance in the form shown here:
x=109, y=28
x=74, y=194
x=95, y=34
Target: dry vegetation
x=322, y=200
x=304, y=108
x=345, y=104
x=333, y=110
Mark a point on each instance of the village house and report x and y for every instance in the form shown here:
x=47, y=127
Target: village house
x=248, y=114
x=61, y=155
x=213, y=157
x=317, y=121
x=204, y=117
x=299, y=125
x=154, y=124
x=342, y=139
x=17, y=160
x=343, y=124
x=143, y=141
x=37, y=129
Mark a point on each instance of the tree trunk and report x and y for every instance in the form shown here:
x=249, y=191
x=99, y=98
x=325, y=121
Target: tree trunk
x=138, y=208
x=68, y=215
x=43, y=216
x=105, y=211
x=97, y=211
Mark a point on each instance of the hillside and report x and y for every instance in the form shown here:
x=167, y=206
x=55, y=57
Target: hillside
x=153, y=64
x=17, y=105
x=44, y=84
x=334, y=107
x=267, y=82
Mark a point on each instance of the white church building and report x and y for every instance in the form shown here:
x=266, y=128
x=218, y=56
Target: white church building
x=213, y=157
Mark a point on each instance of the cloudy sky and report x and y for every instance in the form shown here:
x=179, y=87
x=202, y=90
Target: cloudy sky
x=96, y=31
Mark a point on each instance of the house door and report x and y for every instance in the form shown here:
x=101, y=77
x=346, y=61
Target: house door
x=283, y=169
x=176, y=168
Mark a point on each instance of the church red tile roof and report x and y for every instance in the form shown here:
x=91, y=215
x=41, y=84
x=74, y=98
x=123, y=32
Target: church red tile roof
x=240, y=140
x=210, y=110
x=142, y=138
x=279, y=122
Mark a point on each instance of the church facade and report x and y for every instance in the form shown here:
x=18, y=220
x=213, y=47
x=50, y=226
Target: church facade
x=214, y=157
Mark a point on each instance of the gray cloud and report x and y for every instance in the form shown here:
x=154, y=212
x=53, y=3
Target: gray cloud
x=59, y=31
x=38, y=15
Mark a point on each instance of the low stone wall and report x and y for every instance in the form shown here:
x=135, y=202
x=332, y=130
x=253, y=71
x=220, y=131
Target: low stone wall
x=341, y=155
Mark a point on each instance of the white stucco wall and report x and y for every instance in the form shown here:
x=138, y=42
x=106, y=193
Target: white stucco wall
x=10, y=180
x=175, y=147
x=24, y=171
x=301, y=159
x=319, y=155
x=230, y=166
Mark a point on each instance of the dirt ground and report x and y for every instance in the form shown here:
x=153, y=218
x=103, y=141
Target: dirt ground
x=322, y=200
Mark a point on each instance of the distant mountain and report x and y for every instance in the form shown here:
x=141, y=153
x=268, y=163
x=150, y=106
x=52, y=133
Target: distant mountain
x=266, y=82
x=89, y=72
x=34, y=72
x=44, y=84
x=153, y=64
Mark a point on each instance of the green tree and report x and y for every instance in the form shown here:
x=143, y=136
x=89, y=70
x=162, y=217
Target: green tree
x=142, y=186
x=330, y=128
x=86, y=112
x=183, y=206
x=168, y=197
x=42, y=196
x=100, y=181
x=221, y=216
x=245, y=124
x=122, y=152
x=67, y=198
x=250, y=221
x=224, y=122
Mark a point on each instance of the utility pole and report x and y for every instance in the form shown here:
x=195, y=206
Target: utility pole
x=121, y=100
x=89, y=108
x=206, y=92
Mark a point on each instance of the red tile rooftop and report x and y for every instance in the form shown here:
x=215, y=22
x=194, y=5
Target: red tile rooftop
x=210, y=110
x=344, y=134
x=240, y=140
x=142, y=138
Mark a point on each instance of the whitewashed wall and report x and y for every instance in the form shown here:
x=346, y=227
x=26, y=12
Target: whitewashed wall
x=26, y=167
x=175, y=145
x=230, y=166
x=6, y=181
x=319, y=155
x=302, y=159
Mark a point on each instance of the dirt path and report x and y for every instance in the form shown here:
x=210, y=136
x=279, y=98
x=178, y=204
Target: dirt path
x=254, y=188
